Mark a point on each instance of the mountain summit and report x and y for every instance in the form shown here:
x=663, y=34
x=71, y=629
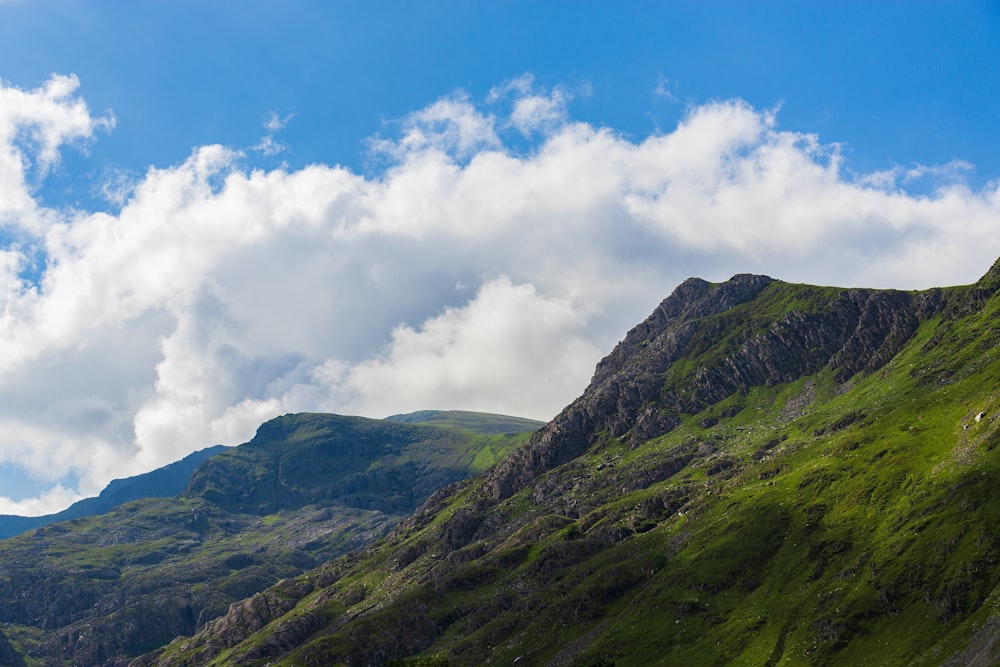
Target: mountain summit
x=759, y=473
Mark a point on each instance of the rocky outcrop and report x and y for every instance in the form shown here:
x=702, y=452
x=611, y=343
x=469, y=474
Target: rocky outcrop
x=635, y=395
x=626, y=390
x=725, y=331
x=247, y=617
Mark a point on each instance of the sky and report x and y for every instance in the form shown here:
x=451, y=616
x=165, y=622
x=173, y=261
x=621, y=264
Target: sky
x=215, y=213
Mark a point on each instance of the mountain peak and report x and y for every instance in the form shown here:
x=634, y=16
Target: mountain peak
x=991, y=279
x=761, y=472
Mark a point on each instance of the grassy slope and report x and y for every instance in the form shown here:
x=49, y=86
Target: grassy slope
x=477, y=422
x=806, y=523
x=163, y=482
x=377, y=464
x=122, y=583
x=119, y=584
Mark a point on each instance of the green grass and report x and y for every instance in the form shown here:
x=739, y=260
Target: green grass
x=826, y=520
x=475, y=422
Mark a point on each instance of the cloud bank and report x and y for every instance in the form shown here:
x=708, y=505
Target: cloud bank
x=498, y=251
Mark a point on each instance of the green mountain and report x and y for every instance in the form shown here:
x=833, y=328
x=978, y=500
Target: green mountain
x=100, y=590
x=761, y=473
x=170, y=480
x=479, y=422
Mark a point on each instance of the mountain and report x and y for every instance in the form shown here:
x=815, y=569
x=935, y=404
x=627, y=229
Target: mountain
x=170, y=480
x=478, y=422
x=760, y=473
x=102, y=589
x=389, y=466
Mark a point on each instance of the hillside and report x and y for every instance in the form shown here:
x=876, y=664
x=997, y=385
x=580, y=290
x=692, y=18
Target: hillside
x=478, y=422
x=100, y=590
x=760, y=473
x=170, y=480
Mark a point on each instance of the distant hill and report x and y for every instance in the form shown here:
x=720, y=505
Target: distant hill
x=103, y=589
x=479, y=422
x=760, y=473
x=386, y=465
x=170, y=480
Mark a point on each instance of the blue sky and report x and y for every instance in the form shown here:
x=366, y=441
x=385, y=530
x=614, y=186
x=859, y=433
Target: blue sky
x=898, y=83
x=218, y=212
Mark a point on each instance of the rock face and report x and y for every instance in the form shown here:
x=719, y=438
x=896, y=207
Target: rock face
x=631, y=393
x=637, y=392
x=251, y=615
x=759, y=473
x=625, y=393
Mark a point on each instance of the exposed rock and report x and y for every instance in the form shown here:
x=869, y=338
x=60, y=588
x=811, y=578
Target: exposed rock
x=247, y=617
x=625, y=391
x=631, y=395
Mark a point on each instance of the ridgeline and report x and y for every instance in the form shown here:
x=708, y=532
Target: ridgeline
x=761, y=473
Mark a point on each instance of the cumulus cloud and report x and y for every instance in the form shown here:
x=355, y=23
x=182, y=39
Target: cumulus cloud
x=33, y=126
x=473, y=354
x=460, y=274
x=533, y=111
x=451, y=125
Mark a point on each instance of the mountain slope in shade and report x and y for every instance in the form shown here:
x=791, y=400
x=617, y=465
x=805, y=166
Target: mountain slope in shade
x=170, y=480
x=761, y=473
x=100, y=590
x=389, y=466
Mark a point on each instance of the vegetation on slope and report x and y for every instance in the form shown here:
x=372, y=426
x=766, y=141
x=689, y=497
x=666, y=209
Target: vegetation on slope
x=170, y=480
x=476, y=422
x=761, y=473
x=101, y=590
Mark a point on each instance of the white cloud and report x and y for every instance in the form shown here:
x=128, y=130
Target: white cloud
x=268, y=145
x=33, y=125
x=940, y=176
x=275, y=123
x=665, y=88
x=52, y=500
x=465, y=274
x=452, y=125
x=533, y=111
x=470, y=357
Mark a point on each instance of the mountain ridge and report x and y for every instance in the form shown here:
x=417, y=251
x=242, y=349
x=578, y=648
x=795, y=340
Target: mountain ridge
x=168, y=480
x=103, y=589
x=759, y=473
